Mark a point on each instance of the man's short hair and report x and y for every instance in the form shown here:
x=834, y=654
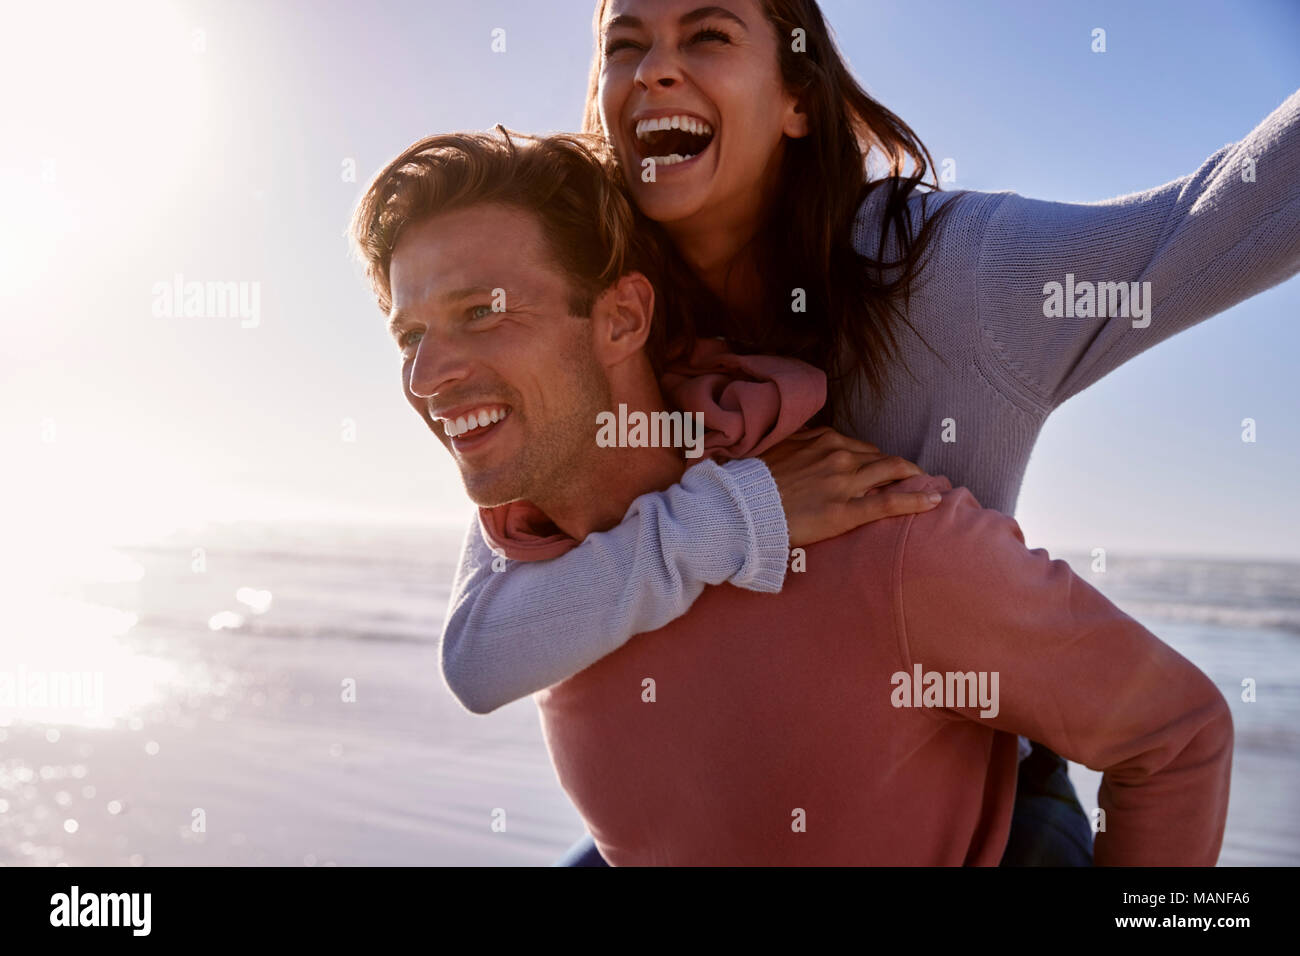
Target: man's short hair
x=565, y=180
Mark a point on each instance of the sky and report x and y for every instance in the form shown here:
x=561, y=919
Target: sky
x=215, y=142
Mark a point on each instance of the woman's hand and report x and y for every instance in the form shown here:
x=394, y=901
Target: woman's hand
x=831, y=484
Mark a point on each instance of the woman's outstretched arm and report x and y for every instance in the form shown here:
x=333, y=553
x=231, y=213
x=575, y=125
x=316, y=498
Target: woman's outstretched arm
x=1068, y=292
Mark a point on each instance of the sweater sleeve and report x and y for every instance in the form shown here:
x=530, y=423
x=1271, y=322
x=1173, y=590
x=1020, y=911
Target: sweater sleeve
x=1203, y=243
x=1074, y=672
x=517, y=630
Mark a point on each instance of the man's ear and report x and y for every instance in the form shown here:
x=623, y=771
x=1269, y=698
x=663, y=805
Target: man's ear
x=622, y=318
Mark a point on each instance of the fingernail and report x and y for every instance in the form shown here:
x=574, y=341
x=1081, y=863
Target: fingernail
x=935, y=498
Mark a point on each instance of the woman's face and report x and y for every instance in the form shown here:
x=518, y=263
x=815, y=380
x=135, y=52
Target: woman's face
x=695, y=87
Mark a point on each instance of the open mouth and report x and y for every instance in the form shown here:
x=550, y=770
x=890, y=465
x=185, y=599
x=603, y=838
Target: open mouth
x=670, y=140
x=473, y=429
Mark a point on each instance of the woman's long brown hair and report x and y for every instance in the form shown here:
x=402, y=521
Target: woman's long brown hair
x=854, y=301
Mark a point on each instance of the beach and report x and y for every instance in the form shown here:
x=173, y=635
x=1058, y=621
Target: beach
x=271, y=696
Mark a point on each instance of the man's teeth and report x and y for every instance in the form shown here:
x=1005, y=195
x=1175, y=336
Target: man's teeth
x=688, y=123
x=479, y=418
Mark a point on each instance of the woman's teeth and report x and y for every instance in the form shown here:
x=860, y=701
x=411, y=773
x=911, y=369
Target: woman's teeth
x=670, y=140
x=480, y=418
x=688, y=123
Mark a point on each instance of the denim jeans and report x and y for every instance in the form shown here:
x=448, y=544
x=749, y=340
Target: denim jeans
x=1048, y=827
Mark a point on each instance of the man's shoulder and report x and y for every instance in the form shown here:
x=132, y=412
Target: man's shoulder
x=959, y=540
x=884, y=538
x=953, y=534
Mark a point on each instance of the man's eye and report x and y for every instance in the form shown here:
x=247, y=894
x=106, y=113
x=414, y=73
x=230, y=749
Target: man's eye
x=404, y=340
x=480, y=311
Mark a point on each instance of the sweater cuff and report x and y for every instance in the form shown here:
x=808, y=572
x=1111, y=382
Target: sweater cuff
x=754, y=489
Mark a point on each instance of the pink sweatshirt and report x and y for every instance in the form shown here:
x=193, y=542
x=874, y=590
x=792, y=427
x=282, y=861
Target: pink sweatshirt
x=781, y=729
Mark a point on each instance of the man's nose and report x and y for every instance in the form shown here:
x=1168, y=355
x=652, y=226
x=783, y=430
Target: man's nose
x=660, y=67
x=437, y=365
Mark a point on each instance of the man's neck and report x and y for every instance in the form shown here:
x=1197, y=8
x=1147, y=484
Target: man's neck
x=597, y=491
x=597, y=498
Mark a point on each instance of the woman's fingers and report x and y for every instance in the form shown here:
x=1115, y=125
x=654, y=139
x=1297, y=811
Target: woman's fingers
x=891, y=504
x=882, y=471
x=831, y=484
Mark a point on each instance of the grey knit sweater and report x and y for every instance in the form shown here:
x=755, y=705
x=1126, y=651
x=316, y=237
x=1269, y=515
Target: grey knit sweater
x=1022, y=301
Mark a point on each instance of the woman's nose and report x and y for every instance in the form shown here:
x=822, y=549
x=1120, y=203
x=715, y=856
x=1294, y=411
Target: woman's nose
x=659, y=67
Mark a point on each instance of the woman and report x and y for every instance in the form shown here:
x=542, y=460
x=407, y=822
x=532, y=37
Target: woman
x=742, y=139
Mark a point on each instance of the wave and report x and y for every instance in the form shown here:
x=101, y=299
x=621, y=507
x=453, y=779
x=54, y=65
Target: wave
x=1219, y=615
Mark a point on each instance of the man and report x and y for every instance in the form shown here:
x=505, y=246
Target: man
x=868, y=713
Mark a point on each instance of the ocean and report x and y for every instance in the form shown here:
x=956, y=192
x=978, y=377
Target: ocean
x=269, y=693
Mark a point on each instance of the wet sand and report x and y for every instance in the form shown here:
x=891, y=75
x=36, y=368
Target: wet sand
x=246, y=731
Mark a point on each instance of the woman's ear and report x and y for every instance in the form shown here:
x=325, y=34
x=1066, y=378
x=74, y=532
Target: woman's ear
x=622, y=318
x=796, y=121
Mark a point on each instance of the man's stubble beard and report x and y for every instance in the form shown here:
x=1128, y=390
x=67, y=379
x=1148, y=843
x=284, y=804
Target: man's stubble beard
x=555, y=453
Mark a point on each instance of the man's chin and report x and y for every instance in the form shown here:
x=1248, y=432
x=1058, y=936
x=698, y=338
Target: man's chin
x=488, y=494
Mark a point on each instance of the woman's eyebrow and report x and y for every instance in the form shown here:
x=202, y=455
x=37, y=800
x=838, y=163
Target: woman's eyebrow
x=699, y=13
x=623, y=20
x=703, y=13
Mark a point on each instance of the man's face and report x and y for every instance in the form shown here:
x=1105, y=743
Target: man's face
x=481, y=315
